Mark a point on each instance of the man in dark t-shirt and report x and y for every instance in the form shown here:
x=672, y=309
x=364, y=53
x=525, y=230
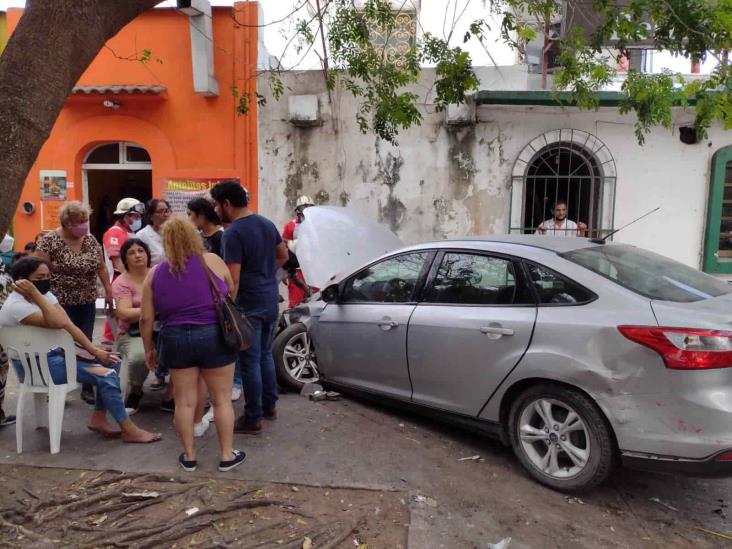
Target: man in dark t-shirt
x=253, y=251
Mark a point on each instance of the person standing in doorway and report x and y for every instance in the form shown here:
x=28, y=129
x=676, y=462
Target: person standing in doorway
x=129, y=214
x=253, y=251
x=78, y=261
x=559, y=225
x=297, y=289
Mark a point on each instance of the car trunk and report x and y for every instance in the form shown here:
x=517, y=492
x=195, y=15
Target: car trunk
x=713, y=313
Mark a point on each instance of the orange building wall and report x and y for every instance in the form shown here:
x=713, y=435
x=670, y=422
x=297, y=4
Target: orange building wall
x=186, y=134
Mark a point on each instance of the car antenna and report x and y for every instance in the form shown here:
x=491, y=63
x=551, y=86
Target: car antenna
x=604, y=238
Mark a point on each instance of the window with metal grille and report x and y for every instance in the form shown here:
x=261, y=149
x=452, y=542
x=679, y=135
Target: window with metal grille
x=564, y=166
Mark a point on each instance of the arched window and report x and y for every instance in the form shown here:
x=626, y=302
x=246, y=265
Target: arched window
x=569, y=166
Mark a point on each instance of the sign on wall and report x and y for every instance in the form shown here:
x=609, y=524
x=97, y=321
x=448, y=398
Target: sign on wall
x=53, y=184
x=180, y=191
x=50, y=214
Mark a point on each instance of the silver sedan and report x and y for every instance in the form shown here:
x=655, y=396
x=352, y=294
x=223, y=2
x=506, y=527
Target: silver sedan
x=575, y=352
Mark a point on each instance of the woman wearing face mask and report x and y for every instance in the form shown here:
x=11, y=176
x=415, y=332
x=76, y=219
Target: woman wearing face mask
x=32, y=304
x=78, y=261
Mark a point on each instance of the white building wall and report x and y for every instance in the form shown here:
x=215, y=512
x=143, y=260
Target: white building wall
x=447, y=182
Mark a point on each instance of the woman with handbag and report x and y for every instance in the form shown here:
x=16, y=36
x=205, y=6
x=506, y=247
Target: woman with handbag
x=185, y=291
x=127, y=290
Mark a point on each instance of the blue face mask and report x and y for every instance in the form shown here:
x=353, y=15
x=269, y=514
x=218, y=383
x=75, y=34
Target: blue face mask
x=136, y=224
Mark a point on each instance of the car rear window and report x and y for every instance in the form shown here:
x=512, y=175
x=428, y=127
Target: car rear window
x=649, y=274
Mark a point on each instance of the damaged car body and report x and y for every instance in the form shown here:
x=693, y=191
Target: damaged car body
x=575, y=352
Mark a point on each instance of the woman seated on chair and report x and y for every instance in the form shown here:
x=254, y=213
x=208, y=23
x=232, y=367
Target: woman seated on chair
x=32, y=304
x=127, y=290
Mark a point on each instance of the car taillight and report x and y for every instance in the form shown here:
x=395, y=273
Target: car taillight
x=684, y=348
x=726, y=456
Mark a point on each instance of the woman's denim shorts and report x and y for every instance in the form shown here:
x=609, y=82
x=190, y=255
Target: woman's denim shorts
x=194, y=346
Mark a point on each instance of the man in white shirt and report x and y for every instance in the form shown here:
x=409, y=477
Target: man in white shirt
x=559, y=225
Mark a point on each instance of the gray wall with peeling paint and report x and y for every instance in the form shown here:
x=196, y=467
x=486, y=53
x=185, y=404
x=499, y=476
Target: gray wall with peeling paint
x=451, y=181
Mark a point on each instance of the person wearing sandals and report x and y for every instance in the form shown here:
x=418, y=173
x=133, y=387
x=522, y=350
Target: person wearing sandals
x=127, y=288
x=179, y=291
x=32, y=304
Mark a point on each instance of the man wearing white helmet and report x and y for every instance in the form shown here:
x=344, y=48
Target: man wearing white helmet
x=129, y=220
x=297, y=289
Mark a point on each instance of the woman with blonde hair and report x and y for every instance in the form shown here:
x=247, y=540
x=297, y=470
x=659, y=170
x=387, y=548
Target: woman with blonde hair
x=180, y=292
x=78, y=261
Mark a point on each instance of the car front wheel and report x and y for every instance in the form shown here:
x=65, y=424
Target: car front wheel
x=561, y=437
x=294, y=357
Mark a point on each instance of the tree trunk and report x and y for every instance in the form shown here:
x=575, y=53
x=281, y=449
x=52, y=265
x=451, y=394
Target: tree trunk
x=47, y=53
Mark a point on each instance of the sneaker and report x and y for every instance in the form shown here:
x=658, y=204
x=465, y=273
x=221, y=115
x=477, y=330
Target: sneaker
x=271, y=413
x=158, y=384
x=87, y=393
x=209, y=415
x=247, y=427
x=168, y=406
x=133, y=403
x=199, y=429
x=239, y=457
x=235, y=393
x=7, y=420
x=187, y=464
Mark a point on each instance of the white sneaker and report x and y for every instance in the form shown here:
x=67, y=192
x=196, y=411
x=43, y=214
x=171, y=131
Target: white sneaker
x=209, y=415
x=235, y=393
x=199, y=429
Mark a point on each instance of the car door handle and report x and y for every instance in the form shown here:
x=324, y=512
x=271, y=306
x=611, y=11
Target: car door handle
x=496, y=330
x=387, y=324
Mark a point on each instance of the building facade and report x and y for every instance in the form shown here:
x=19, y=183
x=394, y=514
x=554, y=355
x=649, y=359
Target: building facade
x=154, y=115
x=498, y=167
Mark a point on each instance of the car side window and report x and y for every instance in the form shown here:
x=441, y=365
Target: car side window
x=473, y=279
x=393, y=280
x=552, y=288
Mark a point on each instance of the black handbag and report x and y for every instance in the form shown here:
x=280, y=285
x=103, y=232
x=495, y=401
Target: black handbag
x=236, y=330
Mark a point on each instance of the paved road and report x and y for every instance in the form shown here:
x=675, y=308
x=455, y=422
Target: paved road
x=453, y=503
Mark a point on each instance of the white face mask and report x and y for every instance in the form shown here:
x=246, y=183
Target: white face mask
x=7, y=244
x=135, y=225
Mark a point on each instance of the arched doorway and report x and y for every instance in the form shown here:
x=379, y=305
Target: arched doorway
x=569, y=166
x=112, y=171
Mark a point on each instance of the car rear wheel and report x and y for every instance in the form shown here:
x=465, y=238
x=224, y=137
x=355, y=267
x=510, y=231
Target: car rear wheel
x=294, y=357
x=561, y=437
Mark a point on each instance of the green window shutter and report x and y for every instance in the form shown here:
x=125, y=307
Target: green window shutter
x=718, y=238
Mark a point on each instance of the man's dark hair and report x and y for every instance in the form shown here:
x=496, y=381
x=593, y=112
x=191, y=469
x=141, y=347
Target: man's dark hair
x=26, y=266
x=203, y=206
x=231, y=191
x=126, y=248
x=559, y=203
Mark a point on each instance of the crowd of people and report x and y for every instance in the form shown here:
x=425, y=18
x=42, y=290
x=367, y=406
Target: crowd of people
x=162, y=275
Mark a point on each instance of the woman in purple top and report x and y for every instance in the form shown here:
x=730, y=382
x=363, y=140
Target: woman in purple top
x=179, y=293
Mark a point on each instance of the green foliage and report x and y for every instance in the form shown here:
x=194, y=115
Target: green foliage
x=243, y=100
x=385, y=87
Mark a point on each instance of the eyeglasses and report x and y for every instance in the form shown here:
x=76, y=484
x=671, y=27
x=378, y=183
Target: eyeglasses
x=166, y=211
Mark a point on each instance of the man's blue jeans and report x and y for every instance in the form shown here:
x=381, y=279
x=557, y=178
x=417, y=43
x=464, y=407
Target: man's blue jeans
x=109, y=395
x=257, y=364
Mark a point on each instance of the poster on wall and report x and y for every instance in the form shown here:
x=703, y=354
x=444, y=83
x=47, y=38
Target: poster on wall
x=53, y=185
x=179, y=191
x=50, y=218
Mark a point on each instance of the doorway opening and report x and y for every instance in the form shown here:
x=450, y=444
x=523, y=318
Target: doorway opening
x=111, y=172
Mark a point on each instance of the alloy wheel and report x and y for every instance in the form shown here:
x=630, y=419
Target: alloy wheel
x=299, y=358
x=554, y=438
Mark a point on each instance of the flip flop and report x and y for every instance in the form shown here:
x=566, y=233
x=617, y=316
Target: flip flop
x=105, y=434
x=155, y=438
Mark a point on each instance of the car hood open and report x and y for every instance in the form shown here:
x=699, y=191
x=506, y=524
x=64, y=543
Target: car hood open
x=333, y=241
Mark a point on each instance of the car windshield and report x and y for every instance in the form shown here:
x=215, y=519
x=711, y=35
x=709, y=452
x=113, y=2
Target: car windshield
x=649, y=274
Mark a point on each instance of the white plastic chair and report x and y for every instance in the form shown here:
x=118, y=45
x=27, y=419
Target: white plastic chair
x=30, y=345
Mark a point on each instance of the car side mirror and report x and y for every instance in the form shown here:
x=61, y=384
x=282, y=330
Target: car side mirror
x=330, y=294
